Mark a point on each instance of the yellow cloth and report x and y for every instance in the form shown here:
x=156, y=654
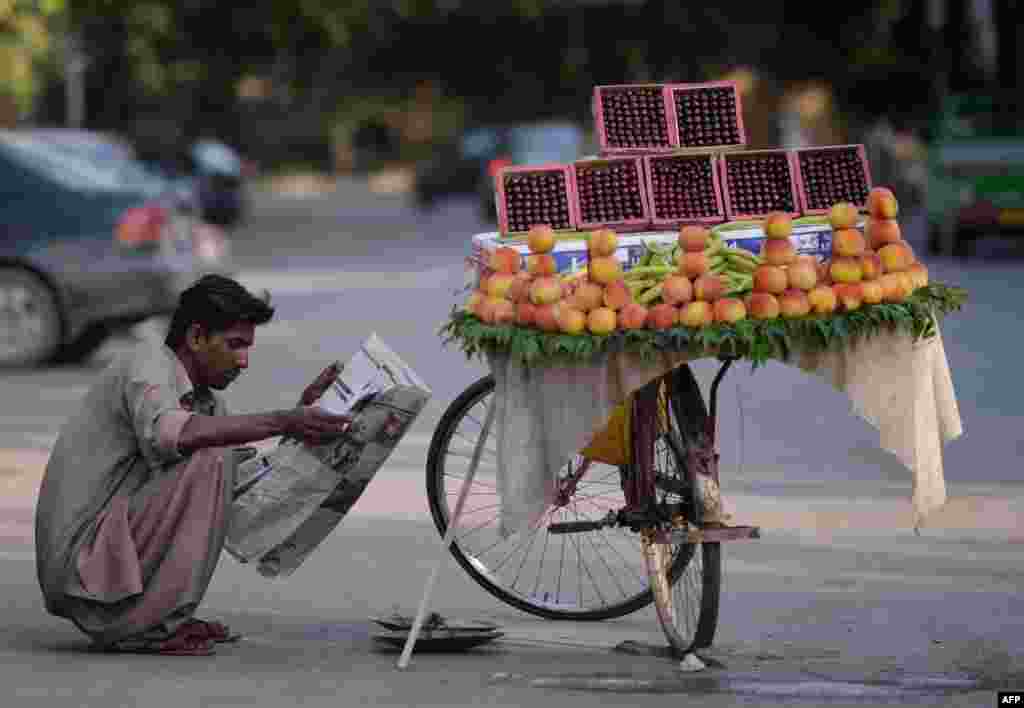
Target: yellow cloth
x=611, y=445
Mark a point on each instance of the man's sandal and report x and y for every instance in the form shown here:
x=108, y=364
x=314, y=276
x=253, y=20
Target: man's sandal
x=180, y=644
x=214, y=631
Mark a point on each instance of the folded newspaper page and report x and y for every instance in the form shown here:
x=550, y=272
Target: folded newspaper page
x=289, y=499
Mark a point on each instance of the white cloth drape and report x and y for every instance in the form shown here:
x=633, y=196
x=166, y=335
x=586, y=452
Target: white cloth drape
x=545, y=414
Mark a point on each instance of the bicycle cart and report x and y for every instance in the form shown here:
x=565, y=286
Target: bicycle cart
x=634, y=515
x=620, y=534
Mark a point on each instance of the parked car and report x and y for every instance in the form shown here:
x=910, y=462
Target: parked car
x=976, y=171
x=83, y=253
x=468, y=165
x=117, y=158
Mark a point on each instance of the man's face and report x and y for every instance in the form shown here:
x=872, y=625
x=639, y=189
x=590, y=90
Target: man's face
x=221, y=357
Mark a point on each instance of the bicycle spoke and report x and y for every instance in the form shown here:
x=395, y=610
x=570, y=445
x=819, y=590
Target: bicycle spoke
x=481, y=508
x=526, y=554
x=540, y=567
x=475, y=481
x=581, y=497
x=611, y=573
x=603, y=535
x=469, y=532
x=561, y=566
x=469, y=455
x=586, y=567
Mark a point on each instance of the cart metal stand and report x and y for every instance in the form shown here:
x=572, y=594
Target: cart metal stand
x=403, y=660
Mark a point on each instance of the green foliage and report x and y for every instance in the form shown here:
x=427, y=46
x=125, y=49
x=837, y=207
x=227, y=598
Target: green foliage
x=755, y=340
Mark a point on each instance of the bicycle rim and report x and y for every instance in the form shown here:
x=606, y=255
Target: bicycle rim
x=592, y=575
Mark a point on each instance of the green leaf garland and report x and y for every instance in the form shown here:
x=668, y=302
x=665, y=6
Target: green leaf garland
x=755, y=340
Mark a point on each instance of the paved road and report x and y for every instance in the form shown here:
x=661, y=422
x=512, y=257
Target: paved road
x=867, y=600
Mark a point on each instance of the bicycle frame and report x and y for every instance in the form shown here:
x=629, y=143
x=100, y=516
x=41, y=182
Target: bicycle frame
x=638, y=515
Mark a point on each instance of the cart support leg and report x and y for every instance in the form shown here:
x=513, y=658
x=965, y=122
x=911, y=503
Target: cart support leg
x=403, y=660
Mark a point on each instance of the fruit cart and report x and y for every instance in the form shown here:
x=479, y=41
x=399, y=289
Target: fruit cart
x=589, y=461
x=579, y=480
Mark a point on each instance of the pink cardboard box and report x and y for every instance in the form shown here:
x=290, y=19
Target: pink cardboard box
x=595, y=186
x=610, y=118
x=535, y=194
x=697, y=177
x=757, y=182
x=719, y=124
x=830, y=174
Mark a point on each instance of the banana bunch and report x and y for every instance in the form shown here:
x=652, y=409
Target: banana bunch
x=644, y=279
x=735, y=265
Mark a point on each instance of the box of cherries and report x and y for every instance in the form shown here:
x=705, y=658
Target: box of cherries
x=531, y=195
x=633, y=119
x=757, y=182
x=651, y=118
x=708, y=115
x=828, y=175
x=683, y=189
x=610, y=193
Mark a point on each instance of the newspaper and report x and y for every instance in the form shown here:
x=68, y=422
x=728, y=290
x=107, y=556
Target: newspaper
x=287, y=500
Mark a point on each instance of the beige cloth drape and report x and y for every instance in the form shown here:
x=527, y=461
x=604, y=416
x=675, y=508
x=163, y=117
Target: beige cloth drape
x=545, y=414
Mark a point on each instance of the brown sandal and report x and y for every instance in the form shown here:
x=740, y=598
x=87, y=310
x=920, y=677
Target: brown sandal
x=214, y=631
x=180, y=644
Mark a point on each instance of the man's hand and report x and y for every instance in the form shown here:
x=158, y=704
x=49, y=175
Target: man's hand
x=320, y=384
x=314, y=425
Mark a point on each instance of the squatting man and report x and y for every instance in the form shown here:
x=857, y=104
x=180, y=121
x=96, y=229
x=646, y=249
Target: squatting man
x=135, y=501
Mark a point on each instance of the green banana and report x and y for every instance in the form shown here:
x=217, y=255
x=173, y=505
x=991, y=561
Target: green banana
x=744, y=253
x=643, y=272
x=638, y=287
x=741, y=265
x=650, y=295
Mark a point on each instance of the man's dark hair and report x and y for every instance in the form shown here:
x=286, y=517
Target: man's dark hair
x=217, y=304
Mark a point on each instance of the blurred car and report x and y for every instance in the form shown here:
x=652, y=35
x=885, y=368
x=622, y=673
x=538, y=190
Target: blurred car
x=83, y=253
x=975, y=171
x=456, y=166
x=117, y=158
x=469, y=164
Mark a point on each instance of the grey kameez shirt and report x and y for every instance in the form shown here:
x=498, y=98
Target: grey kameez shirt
x=122, y=437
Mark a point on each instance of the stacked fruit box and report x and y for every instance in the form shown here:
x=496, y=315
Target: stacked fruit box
x=610, y=194
x=708, y=115
x=673, y=154
x=756, y=183
x=541, y=194
x=683, y=189
x=828, y=175
x=652, y=118
x=634, y=119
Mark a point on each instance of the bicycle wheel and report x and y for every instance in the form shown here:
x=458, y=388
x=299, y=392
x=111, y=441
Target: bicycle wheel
x=592, y=575
x=687, y=605
x=686, y=579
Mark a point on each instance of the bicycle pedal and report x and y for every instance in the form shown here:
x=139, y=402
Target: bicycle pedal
x=578, y=526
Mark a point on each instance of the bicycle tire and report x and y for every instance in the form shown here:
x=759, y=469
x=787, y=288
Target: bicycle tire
x=485, y=574
x=688, y=622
